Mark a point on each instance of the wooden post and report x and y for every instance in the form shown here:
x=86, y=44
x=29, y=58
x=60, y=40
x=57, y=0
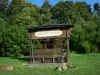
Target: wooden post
x=53, y=60
x=45, y=45
x=30, y=43
x=67, y=51
x=32, y=53
x=43, y=59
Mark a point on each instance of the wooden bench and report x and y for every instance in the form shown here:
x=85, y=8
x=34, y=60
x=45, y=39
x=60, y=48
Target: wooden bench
x=50, y=54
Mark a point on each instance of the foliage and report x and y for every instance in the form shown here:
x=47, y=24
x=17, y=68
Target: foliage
x=15, y=7
x=3, y=5
x=45, y=12
x=18, y=15
x=84, y=34
x=25, y=17
x=2, y=36
x=45, y=15
x=96, y=19
x=19, y=40
x=83, y=10
x=14, y=42
x=64, y=12
x=37, y=44
x=97, y=8
x=46, y=5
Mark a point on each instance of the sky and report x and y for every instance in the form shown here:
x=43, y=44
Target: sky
x=53, y=2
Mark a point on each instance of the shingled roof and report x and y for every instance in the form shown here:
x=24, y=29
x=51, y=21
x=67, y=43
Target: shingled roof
x=48, y=27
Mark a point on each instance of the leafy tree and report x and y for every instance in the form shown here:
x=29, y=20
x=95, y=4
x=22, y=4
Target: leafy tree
x=2, y=37
x=88, y=7
x=96, y=19
x=19, y=40
x=83, y=10
x=84, y=37
x=64, y=12
x=25, y=18
x=46, y=16
x=46, y=5
x=45, y=12
x=96, y=6
x=3, y=5
x=14, y=42
x=14, y=8
x=24, y=13
x=20, y=14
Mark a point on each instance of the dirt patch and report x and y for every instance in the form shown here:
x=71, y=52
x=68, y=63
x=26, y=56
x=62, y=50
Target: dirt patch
x=6, y=68
x=64, y=67
x=94, y=60
x=24, y=64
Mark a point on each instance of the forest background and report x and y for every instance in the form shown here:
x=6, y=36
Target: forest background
x=18, y=15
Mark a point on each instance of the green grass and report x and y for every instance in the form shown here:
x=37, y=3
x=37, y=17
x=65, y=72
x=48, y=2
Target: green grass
x=88, y=64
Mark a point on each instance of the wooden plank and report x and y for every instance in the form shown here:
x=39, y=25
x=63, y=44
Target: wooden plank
x=48, y=50
x=47, y=56
x=63, y=35
x=47, y=53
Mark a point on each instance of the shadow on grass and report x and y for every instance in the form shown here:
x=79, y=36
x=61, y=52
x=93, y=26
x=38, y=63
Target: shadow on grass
x=23, y=59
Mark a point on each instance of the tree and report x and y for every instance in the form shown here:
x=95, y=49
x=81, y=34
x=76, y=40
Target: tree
x=64, y=12
x=15, y=7
x=45, y=12
x=83, y=10
x=25, y=18
x=84, y=37
x=45, y=15
x=2, y=37
x=24, y=13
x=96, y=19
x=97, y=8
x=88, y=7
x=14, y=41
x=46, y=5
x=19, y=40
x=3, y=5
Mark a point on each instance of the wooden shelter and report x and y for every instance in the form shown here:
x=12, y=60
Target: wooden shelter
x=51, y=52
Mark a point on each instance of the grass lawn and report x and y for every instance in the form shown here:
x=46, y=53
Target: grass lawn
x=88, y=64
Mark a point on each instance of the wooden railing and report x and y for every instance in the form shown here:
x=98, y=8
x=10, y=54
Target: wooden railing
x=48, y=54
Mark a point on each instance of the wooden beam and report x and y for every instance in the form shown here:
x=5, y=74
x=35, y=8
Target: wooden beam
x=45, y=46
x=32, y=52
x=43, y=59
x=30, y=48
x=67, y=51
x=53, y=60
